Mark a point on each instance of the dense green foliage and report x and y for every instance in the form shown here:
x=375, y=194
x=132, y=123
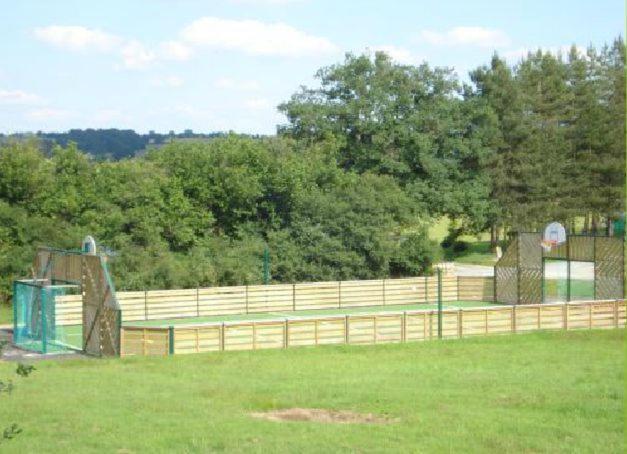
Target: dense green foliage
x=416, y=124
x=540, y=392
x=349, y=187
x=202, y=213
x=543, y=140
x=561, y=149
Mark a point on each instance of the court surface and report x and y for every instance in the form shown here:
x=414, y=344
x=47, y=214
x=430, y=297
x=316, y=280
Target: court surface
x=294, y=315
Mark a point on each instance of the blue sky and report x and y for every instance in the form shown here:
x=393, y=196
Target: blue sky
x=226, y=65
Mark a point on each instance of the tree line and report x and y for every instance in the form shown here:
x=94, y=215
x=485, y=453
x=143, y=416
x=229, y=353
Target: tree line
x=109, y=143
x=365, y=163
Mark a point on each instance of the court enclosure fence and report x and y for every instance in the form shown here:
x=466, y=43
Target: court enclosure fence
x=377, y=328
x=259, y=299
x=520, y=272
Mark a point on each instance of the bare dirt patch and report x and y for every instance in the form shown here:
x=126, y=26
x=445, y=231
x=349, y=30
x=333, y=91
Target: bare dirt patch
x=321, y=415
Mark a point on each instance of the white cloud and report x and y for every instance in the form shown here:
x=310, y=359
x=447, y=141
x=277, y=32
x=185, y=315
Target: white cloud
x=255, y=38
x=399, y=54
x=77, y=38
x=257, y=104
x=175, y=50
x=49, y=114
x=168, y=81
x=136, y=56
x=18, y=97
x=472, y=36
x=232, y=84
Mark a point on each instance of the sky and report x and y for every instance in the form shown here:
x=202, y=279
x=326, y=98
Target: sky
x=226, y=64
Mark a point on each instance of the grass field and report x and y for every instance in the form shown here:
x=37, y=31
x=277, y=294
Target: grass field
x=580, y=289
x=478, y=252
x=542, y=392
x=309, y=313
x=6, y=314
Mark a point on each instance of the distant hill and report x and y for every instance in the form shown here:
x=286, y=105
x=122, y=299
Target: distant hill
x=109, y=143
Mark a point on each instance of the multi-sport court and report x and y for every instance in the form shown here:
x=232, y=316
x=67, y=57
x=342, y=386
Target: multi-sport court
x=70, y=303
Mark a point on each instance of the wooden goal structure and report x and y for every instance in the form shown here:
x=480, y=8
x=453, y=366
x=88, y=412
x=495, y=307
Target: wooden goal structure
x=38, y=319
x=527, y=269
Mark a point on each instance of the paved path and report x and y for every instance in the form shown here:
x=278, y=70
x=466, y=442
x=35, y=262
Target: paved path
x=12, y=353
x=552, y=270
x=473, y=270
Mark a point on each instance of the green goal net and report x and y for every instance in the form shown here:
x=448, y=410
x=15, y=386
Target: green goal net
x=45, y=320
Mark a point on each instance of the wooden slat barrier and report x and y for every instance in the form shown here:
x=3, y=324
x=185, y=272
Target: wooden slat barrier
x=471, y=288
x=201, y=302
x=388, y=327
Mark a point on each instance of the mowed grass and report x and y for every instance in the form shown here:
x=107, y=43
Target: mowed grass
x=477, y=253
x=6, y=314
x=541, y=392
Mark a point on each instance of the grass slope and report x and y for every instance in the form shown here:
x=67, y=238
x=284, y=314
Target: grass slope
x=478, y=252
x=542, y=392
x=6, y=314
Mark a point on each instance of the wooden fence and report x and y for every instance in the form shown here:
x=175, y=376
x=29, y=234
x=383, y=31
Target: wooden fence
x=256, y=299
x=377, y=328
x=471, y=288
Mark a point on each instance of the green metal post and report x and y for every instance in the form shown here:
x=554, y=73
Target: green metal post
x=119, y=329
x=266, y=266
x=171, y=339
x=14, y=311
x=568, y=269
x=439, y=303
x=44, y=346
x=543, y=279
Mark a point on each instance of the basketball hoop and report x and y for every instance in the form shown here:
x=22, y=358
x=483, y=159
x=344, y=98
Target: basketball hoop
x=547, y=245
x=554, y=234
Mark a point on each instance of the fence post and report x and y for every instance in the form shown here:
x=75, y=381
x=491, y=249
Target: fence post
x=15, y=303
x=460, y=321
x=514, y=319
x=222, y=337
x=145, y=304
x=118, y=320
x=426, y=289
x=567, y=270
x=339, y=294
x=286, y=333
x=565, y=309
x=383, y=292
x=44, y=341
x=254, y=335
x=247, y=298
x=171, y=340
x=374, y=329
x=346, y=325
x=197, y=302
x=121, y=340
x=293, y=297
x=615, y=313
x=439, y=303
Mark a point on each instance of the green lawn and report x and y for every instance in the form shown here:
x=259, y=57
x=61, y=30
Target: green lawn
x=580, y=289
x=309, y=313
x=542, y=392
x=478, y=252
x=6, y=314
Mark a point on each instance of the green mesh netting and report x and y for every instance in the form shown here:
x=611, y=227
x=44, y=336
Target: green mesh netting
x=42, y=320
